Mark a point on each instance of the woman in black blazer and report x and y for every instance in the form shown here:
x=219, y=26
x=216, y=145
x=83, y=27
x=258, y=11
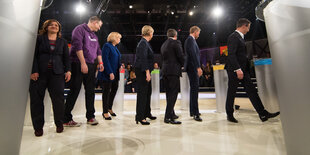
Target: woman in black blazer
x=143, y=68
x=51, y=68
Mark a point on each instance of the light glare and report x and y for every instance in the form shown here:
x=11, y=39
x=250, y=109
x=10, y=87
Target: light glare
x=80, y=9
x=217, y=12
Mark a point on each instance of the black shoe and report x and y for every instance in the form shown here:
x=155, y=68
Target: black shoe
x=231, y=118
x=197, y=118
x=38, y=132
x=175, y=117
x=266, y=115
x=237, y=107
x=112, y=114
x=151, y=117
x=107, y=118
x=143, y=123
x=60, y=129
x=172, y=121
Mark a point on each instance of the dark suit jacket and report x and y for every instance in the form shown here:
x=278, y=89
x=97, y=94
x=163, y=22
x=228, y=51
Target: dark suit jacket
x=192, y=52
x=144, y=56
x=43, y=53
x=172, y=57
x=237, y=53
x=111, y=58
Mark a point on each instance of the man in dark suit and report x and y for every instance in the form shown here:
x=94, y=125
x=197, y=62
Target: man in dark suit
x=173, y=60
x=237, y=67
x=192, y=66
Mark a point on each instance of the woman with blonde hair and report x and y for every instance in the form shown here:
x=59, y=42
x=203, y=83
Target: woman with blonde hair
x=143, y=68
x=51, y=69
x=110, y=76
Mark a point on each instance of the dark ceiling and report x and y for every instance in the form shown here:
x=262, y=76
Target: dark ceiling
x=158, y=13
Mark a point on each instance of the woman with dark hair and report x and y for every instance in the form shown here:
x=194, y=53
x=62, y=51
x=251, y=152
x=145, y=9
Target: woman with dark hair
x=143, y=68
x=51, y=68
x=110, y=76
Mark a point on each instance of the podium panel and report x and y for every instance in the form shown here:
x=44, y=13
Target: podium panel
x=185, y=91
x=221, y=86
x=155, y=97
x=288, y=24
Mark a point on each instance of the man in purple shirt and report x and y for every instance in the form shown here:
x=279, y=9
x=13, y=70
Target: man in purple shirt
x=84, y=50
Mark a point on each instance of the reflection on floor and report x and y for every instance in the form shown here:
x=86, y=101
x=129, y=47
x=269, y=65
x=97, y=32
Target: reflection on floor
x=122, y=136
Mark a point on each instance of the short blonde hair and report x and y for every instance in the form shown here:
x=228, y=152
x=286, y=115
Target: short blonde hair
x=193, y=29
x=113, y=36
x=147, y=30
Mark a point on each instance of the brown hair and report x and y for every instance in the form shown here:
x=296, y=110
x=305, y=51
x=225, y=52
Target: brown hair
x=43, y=30
x=243, y=21
x=193, y=29
x=93, y=19
x=171, y=33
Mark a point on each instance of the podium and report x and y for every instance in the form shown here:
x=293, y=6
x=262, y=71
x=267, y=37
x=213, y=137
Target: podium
x=221, y=86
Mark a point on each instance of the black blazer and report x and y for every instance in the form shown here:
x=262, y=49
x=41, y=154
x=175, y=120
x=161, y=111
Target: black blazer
x=192, y=52
x=237, y=53
x=60, y=56
x=144, y=56
x=172, y=57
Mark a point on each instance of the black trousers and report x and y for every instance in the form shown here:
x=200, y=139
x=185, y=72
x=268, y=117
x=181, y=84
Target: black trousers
x=144, y=91
x=172, y=85
x=109, y=90
x=233, y=83
x=194, y=84
x=88, y=80
x=55, y=83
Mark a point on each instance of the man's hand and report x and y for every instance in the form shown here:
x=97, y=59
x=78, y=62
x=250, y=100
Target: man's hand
x=199, y=71
x=148, y=76
x=34, y=76
x=101, y=68
x=111, y=76
x=84, y=68
x=239, y=74
x=68, y=76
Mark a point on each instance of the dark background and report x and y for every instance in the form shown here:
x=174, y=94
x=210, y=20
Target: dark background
x=157, y=13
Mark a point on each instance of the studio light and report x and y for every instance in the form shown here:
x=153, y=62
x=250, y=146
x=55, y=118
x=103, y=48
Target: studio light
x=191, y=13
x=217, y=12
x=80, y=9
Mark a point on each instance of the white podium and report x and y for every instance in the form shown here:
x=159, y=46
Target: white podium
x=185, y=91
x=221, y=86
x=155, y=97
x=118, y=104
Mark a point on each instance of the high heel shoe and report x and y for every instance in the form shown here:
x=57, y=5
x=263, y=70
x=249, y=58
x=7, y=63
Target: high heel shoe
x=143, y=123
x=107, y=118
x=112, y=114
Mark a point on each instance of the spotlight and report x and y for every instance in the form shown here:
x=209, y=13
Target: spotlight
x=80, y=9
x=172, y=12
x=130, y=6
x=217, y=12
x=191, y=13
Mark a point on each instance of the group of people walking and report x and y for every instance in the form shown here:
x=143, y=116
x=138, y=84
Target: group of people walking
x=52, y=60
x=53, y=66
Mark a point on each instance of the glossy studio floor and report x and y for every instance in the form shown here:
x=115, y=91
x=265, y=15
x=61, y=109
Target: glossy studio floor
x=122, y=136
